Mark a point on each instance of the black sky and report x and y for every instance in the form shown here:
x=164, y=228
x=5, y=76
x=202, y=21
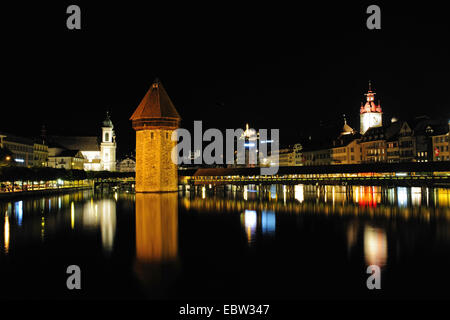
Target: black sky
x=274, y=65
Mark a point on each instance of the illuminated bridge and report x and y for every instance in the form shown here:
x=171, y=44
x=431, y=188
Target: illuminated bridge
x=407, y=174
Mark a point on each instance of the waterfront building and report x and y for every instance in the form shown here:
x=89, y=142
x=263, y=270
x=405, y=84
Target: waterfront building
x=419, y=140
x=25, y=151
x=441, y=144
x=298, y=155
x=154, y=120
x=66, y=159
x=283, y=157
x=346, y=148
x=127, y=165
x=100, y=154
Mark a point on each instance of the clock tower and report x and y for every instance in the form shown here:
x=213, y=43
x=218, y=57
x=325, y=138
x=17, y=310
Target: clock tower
x=370, y=112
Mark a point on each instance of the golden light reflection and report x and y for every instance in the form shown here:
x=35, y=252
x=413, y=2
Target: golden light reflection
x=375, y=246
x=249, y=221
x=299, y=193
x=72, y=215
x=101, y=214
x=443, y=197
x=156, y=227
x=108, y=224
x=416, y=196
x=6, y=235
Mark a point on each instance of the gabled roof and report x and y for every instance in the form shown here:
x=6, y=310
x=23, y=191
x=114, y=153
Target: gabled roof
x=16, y=139
x=74, y=143
x=155, y=104
x=71, y=153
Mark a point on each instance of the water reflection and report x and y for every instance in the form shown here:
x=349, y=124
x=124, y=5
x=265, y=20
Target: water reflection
x=156, y=240
x=101, y=214
x=406, y=203
x=249, y=221
x=367, y=214
x=375, y=246
x=6, y=235
x=36, y=219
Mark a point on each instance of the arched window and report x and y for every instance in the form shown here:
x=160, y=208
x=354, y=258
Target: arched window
x=106, y=136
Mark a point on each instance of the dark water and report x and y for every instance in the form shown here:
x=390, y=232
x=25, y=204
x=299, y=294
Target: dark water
x=278, y=242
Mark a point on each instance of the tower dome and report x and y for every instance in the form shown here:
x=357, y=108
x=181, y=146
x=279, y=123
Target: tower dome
x=107, y=123
x=346, y=129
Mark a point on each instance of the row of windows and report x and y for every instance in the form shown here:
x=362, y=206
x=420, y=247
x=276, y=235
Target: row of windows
x=442, y=148
x=152, y=135
x=441, y=139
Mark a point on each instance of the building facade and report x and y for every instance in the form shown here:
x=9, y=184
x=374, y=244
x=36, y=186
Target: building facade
x=441, y=144
x=154, y=120
x=99, y=154
x=127, y=165
x=25, y=151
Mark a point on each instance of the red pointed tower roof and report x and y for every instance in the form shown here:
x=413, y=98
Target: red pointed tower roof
x=370, y=105
x=156, y=109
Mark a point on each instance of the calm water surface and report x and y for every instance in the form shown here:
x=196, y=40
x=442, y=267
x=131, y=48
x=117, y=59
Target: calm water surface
x=286, y=242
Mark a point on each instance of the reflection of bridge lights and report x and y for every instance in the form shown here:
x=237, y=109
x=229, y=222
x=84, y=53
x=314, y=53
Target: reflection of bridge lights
x=245, y=193
x=203, y=192
x=299, y=193
x=268, y=221
x=18, y=210
x=416, y=196
x=375, y=246
x=273, y=191
x=250, y=221
x=72, y=215
x=402, y=196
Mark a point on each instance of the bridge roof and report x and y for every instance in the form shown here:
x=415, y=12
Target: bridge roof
x=343, y=168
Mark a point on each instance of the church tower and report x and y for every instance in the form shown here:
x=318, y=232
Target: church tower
x=370, y=113
x=108, y=145
x=154, y=121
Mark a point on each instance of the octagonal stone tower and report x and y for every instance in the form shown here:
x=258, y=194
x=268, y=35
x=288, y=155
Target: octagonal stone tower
x=154, y=121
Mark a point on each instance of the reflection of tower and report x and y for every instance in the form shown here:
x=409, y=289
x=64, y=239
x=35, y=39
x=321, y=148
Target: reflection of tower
x=370, y=113
x=156, y=238
x=154, y=120
x=108, y=145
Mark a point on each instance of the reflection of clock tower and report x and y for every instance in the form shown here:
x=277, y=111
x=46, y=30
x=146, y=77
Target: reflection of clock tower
x=370, y=113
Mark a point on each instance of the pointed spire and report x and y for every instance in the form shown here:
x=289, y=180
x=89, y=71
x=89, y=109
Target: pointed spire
x=155, y=107
x=370, y=86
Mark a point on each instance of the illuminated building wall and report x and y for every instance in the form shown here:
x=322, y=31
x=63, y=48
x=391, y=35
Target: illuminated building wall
x=154, y=120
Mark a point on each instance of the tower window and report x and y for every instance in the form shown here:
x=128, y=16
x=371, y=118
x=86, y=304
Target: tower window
x=167, y=135
x=151, y=135
x=106, y=136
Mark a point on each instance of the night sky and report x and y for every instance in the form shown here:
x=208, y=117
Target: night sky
x=274, y=65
